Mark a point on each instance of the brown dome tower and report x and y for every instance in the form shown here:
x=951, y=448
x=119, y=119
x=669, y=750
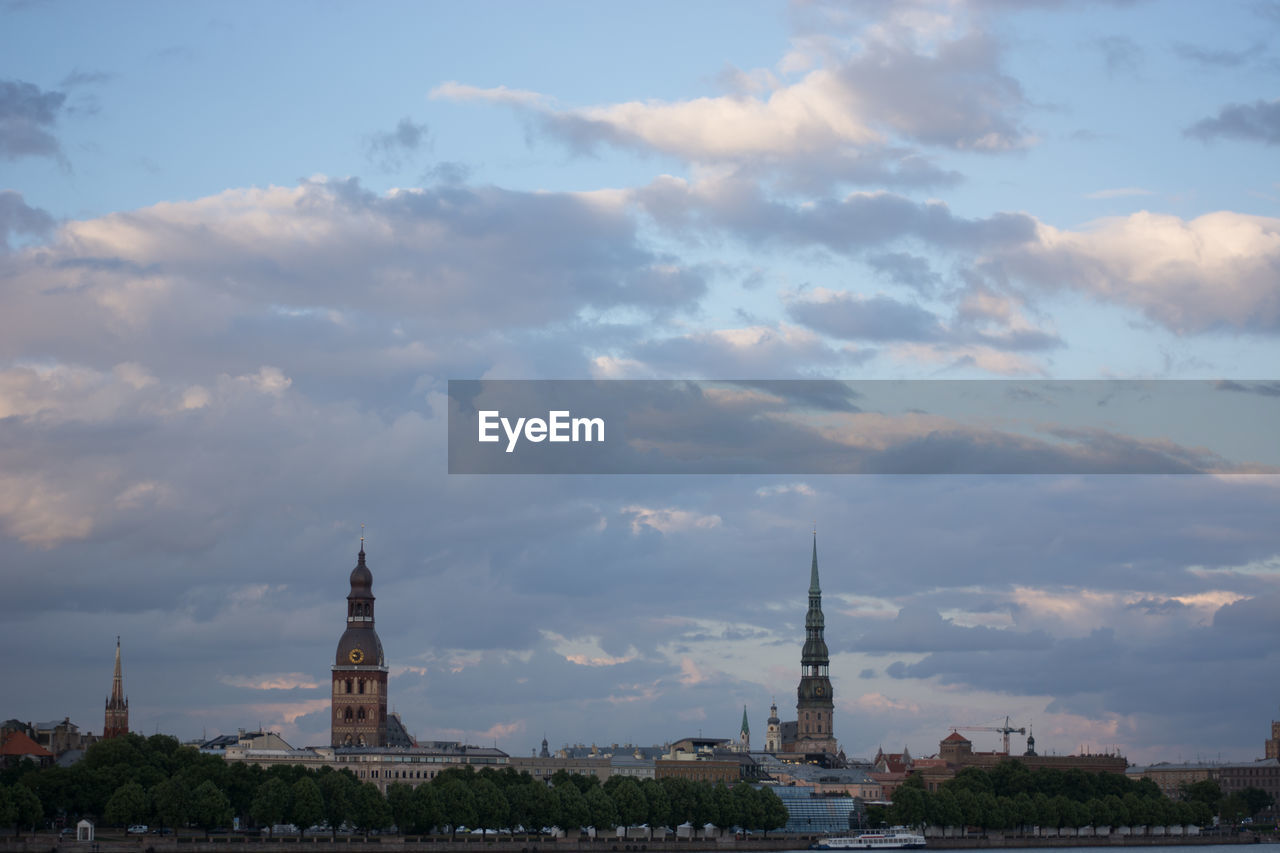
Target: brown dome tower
x=359, y=670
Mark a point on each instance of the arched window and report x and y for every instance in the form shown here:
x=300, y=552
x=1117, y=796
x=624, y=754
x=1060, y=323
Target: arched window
x=360, y=714
x=360, y=686
x=348, y=714
x=348, y=685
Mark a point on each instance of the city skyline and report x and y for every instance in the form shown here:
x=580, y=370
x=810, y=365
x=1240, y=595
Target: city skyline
x=242, y=252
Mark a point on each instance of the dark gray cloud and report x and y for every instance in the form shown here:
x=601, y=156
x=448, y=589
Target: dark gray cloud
x=1256, y=122
x=27, y=117
x=390, y=150
x=79, y=77
x=874, y=318
x=908, y=270
x=848, y=225
x=19, y=218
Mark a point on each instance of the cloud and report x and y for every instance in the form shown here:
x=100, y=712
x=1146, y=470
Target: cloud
x=1214, y=272
x=27, y=116
x=668, y=519
x=19, y=218
x=1256, y=122
x=1118, y=192
x=1221, y=58
x=848, y=119
x=1121, y=54
x=390, y=149
x=272, y=681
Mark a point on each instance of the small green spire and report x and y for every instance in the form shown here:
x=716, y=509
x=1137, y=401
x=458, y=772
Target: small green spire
x=746, y=729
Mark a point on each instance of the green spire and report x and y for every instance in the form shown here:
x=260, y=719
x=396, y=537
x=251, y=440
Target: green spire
x=814, y=589
x=746, y=729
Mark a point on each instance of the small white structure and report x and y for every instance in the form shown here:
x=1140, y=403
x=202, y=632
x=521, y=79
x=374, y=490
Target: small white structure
x=84, y=831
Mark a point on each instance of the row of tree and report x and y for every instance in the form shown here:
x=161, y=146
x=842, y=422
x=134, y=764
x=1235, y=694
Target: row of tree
x=132, y=779
x=1010, y=796
x=1231, y=808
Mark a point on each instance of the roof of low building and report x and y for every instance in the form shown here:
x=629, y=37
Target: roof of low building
x=17, y=743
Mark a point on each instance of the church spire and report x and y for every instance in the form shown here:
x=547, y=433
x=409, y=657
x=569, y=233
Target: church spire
x=116, y=718
x=814, y=589
x=117, y=680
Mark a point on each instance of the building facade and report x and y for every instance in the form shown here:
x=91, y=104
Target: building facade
x=359, y=704
x=116, y=718
x=379, y=765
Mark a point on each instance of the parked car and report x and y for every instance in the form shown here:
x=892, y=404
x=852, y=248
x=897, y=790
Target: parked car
x=137, y=829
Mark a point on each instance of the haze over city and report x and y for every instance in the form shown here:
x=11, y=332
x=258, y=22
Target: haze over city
x=243, y=249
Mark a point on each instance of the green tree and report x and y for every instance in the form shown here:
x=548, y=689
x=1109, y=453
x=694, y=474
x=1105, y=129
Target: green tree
x=210, y=807
x=458, y=804
x=492, y=809
x=1256, y=800
x=172, y=801
x=403, y=806
x=427, y=814
x=26, y=806
x=128, y=805
x=775, y=814
x=337, y=789
x=658, y=811
x=629, y=802
x=270, y=804
x=544, y=807
x=724, y=810
x=573, y=812
x=908, y=805
x=604, y=816
x=306, y=804
x=748, y=804
x=1206, y=791
x=369, y=809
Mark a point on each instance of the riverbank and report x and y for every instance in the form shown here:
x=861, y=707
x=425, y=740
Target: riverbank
x=41, y=843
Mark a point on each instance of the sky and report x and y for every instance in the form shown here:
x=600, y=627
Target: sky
x=244, y=248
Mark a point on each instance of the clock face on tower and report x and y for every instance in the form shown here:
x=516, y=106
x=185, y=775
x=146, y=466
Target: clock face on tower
x=817, y=691
x=356, y=656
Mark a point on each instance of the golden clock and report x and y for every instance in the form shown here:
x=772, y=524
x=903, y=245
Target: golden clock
x=356, y=656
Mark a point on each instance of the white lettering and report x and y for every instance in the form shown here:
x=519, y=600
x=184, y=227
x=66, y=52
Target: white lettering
x=486, y=424
x=587, y=425
x=513, y=435
x=559, y=426
x=559, y=421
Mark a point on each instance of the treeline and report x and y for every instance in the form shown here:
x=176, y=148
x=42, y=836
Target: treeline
x=134, y=780
x=1010, y=796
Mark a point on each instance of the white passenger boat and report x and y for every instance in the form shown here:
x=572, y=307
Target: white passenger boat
x=890, y=839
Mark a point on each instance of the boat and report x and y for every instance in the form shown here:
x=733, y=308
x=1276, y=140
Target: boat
x=890, y=839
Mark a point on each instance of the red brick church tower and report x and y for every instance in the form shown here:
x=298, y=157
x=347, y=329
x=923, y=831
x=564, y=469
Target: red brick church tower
x=116, y=722
x=359, y=670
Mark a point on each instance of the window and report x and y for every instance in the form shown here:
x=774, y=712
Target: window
x=360, y=714
x=360, y=686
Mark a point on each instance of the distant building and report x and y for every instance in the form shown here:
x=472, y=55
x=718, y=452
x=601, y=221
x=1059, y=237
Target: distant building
x=744, y=733
x=1272, y=745
x=245, y=740
x=728, y=771
x=359, y=706
x=17, y=746
x=543, y=768
x=1170, y=778
x=773, y=731
x=957, y=751
x=809, y=812
x=379, y=765
x=812, y=734
x=116, y=721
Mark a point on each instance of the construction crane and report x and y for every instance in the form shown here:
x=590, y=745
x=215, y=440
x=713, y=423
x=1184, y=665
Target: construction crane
x=1005, y=730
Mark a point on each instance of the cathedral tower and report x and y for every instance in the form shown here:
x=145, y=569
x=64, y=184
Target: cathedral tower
x=116, y=721
x=815, y=730
x=359, y=670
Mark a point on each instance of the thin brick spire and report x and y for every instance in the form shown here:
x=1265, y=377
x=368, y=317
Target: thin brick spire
x=117, y=681
x=814, y=589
